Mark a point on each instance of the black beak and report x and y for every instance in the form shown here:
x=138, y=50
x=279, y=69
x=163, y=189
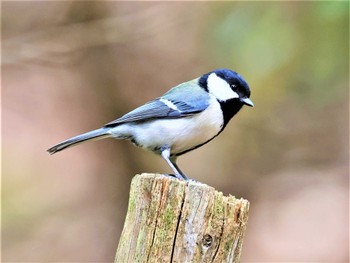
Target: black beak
x=247, y=102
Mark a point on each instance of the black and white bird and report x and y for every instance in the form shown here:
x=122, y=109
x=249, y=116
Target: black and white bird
x=183, y=119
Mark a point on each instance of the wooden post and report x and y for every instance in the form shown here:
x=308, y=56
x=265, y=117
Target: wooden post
x=169, y=220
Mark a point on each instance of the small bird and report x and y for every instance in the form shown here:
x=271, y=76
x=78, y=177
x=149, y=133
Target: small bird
x=183, y=119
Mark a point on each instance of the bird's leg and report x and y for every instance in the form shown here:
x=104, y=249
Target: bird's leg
x=172, y=163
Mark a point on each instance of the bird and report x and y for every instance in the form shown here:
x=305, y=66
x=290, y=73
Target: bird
x=183, y=119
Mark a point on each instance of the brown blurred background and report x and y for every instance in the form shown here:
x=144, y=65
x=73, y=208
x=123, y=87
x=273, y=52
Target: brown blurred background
x=69, y=67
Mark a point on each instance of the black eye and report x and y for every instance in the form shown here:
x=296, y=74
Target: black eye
x=235, y=88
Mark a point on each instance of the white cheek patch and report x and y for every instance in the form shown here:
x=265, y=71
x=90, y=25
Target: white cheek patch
x=169, y=104
x=220, y=88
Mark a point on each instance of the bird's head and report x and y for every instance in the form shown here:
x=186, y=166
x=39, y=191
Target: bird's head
x=226, y=85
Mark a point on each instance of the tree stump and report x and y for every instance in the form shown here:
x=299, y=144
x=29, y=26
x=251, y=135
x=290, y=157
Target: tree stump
x=170, y=220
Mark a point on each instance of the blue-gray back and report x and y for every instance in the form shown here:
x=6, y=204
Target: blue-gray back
x=186, y=99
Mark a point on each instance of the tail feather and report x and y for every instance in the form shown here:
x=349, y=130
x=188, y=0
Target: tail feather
x=92, y=135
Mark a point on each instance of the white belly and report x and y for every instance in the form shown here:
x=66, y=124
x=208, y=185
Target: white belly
x=179, y=134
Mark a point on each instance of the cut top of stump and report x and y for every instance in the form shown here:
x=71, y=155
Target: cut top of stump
x=170, y=220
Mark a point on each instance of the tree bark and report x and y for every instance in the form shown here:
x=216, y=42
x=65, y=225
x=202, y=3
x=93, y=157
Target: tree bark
x=169, y=220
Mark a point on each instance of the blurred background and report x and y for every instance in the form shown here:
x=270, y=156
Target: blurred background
x=69, y=67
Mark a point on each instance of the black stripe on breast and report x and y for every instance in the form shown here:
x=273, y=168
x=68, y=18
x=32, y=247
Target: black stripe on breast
x=197, y=146
x=229, y=109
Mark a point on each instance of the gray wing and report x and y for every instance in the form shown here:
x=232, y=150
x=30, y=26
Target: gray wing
x=169, y=106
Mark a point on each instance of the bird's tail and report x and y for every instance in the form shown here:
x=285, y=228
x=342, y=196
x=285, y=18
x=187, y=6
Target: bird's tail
x=92, y=135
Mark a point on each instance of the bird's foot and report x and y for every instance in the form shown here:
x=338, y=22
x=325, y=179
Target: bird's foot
x=179, y=176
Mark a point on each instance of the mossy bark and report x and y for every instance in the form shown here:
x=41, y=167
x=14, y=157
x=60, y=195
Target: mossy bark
x=169, y=220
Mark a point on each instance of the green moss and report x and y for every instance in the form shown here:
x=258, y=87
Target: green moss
x=227, y=247
x=169, y=217
x=140, y=247
x=218, y=206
